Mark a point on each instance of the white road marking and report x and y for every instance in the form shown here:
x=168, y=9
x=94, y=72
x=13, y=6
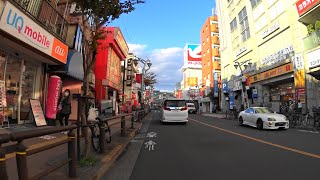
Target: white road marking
x=150, y=145
x=151, y=134
x=314, y=132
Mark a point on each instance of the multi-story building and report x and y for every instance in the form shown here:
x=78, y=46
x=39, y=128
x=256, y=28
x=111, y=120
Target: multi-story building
x=192, y=71
x=308, y=12
x=259, y=41
x=33, y=37
x=211, y=68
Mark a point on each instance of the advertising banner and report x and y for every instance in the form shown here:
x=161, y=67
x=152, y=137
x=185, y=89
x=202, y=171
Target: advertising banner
x=304, y=5
x=216, y=86
x=37, y=112
x=3, y=101
x=54, y=88
x=19, y=25
x=231, y=99
x=192, y=81
x=193, y=56
x=299, y=79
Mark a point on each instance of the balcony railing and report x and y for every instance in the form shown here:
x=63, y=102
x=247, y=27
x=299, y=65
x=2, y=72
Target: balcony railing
x=312, y=40
x=46, y=15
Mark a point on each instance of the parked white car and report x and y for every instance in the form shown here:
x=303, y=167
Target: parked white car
x=174, y=110
x=263, y=118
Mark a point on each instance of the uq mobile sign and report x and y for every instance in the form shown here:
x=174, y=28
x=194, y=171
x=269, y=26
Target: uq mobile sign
x=16, y=23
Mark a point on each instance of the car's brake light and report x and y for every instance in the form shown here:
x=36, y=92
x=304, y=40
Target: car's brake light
x=184, y=108
x=166, y=108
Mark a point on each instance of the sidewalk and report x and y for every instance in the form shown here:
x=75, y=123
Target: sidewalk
x=49, y=158
x=223, y=116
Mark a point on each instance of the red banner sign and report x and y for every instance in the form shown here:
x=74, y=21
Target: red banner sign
x=54, y=87
x=304, y=5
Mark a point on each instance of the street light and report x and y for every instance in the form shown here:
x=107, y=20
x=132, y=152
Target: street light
x=244, y=95
x=146, y=66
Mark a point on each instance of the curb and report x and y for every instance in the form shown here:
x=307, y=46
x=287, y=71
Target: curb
x=111, y=158
x=306, y=128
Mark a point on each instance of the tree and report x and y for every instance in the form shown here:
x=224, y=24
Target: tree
x=150, y=79
x=94, y=15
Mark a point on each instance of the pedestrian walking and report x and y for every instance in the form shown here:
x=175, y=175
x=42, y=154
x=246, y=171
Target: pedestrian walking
x=64, y=109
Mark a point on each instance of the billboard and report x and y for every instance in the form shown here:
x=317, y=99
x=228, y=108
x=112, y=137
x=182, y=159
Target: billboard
x=192, y=56
x=192, y=81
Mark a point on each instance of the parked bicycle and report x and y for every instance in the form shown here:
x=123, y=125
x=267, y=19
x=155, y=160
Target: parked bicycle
x=95, y=130
x=232, y=114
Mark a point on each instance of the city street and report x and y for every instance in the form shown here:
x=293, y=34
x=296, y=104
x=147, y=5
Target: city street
x=209, y=148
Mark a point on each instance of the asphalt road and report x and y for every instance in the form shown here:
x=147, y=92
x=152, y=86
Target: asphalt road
x=209, y=148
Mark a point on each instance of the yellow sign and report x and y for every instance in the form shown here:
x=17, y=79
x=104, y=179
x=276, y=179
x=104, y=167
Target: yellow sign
x=272, y=73
x=192, y=81
x=299, y=79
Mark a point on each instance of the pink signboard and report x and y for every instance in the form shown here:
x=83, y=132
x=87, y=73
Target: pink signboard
x=54, y=88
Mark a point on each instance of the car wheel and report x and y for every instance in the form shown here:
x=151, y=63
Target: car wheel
x=259, y=124
x=240, y=121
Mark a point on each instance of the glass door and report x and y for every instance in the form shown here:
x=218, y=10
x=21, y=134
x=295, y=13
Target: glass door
x=13, y=79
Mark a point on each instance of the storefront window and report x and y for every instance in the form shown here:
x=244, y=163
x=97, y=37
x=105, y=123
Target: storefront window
x=284, y=95
x=20, y=87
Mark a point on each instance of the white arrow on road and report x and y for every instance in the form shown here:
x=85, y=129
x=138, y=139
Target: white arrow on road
x=150, y=145
x=151, y=134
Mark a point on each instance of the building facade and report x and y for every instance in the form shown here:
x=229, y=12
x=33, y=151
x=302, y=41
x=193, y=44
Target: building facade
x=211, y=67
x=108, y=75
x=262, y=60
x=30, y=42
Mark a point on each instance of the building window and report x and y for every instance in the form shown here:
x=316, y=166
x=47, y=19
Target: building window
x=276, y=10
x=254, y=3
x=208, y=76
x=207, y=39
x=206, y=27
x=244, y=24
x=233, y=24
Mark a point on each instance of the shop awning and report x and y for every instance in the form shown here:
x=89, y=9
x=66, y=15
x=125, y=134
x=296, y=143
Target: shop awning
x=315, y=73
x=73, y=67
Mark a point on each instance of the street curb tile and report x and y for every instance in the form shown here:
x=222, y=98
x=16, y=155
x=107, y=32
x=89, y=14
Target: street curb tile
x=110, y=159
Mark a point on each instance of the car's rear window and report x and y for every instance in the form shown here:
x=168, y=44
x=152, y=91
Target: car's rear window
x=175, y=103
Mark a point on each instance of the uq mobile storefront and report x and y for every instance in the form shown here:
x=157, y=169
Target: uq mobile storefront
x=26, y=49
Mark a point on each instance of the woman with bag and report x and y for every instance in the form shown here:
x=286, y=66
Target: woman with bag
x=64, y=109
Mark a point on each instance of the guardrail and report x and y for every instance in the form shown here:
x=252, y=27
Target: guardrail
x=22, y=151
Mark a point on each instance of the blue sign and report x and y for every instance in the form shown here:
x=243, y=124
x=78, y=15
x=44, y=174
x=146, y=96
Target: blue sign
x=254, y=93
x=231, y=99
x=215, y=88
x=225, y=87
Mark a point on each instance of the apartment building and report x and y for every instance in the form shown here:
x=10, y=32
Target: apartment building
x=211, y=68
x=261, y=47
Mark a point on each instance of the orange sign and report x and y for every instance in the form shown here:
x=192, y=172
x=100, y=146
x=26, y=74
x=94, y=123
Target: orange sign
x=272, y=73
x=299, y=79
x=59, y=51
x=192, y=81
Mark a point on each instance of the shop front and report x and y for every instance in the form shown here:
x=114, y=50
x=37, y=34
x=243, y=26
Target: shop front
x=275, y=87
x=25, y=51
x=108, y=75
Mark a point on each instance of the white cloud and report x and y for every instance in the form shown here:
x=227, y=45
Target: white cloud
x=166, y=63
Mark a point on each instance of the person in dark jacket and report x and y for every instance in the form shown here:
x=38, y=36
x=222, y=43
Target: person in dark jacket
x=64, y=110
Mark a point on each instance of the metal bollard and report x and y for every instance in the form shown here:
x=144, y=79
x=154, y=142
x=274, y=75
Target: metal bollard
x=102, y=137
x=123, y=126
x=132, y=121
x=72, y=154
x=21, y=159
x=3, y=167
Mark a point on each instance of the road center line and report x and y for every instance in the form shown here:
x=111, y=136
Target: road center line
x=259, y=140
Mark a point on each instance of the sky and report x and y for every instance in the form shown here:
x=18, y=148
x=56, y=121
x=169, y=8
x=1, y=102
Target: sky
x=159, y=29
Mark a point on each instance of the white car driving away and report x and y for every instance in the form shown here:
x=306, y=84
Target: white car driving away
x=263, y=118
x=174, y=110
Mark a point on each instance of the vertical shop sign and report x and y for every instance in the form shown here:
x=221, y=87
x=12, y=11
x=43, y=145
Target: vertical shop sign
x=37, y=112
x=254, y=93
x=129, y=72
x=3, y=101
x=54, y=89
x=231, y=100
x=215, y=88
x=225, y=87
